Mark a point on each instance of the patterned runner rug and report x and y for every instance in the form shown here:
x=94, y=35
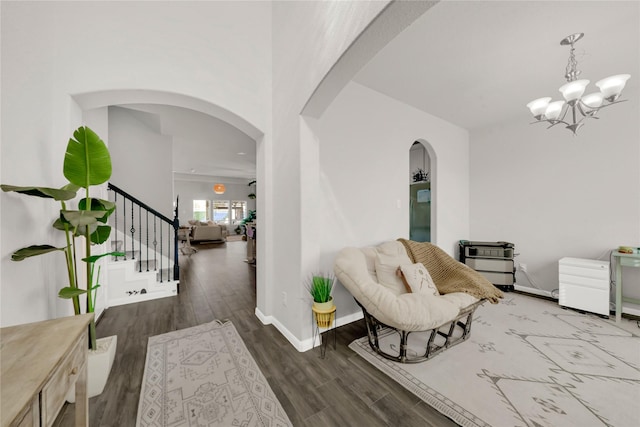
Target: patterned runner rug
x=528, y=362
x=205, y=376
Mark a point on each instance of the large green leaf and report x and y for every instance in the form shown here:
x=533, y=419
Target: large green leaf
x=46, y=192
x=101, y=234
x=81, y=218
x=87, y=161
x=71, y=187
x=69, y=292
x=33, y=250
x=59, y=224
x=99, y=205
x=94, y=258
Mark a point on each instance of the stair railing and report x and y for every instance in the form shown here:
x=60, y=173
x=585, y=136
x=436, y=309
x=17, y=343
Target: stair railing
x=145, y=223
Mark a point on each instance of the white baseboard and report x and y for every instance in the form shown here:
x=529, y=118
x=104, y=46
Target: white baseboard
x=535, y=291
x=630, y=310
x=307, y=344
x=635, y=311
x=270, y=320
x=349, y=318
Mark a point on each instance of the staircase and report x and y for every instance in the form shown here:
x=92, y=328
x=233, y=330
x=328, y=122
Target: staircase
x=149, y=268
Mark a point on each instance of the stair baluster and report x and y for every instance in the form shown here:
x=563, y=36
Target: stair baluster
x=133, y=240
x=161, y=252
x=147, y=244
x=124, y=227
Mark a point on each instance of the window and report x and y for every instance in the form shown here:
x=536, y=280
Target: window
x=221, y=211
x=238, y=211
x=200, y=210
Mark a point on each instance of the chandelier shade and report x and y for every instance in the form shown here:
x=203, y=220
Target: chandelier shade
x=554, y=110
x=611, y=87
x=539, y=106
x=579, y=106
x=573, y=90
x=593, y=100
x=219, y=188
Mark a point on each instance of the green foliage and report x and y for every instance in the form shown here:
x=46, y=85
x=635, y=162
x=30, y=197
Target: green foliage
x=58, y=194
x=69, y=293
x=86, y=162
x=33, y=250
x=251, y=195
x=320, y=287
x=250, y=218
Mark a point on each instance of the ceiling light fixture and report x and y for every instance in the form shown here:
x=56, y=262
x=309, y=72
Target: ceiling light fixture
x=218, y=188
x=545, y=111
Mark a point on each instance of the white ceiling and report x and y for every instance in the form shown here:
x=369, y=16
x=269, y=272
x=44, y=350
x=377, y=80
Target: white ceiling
x=204, y=147
x=472, y=63
x=478, y=63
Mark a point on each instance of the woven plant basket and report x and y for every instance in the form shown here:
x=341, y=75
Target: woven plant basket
x=324, y=313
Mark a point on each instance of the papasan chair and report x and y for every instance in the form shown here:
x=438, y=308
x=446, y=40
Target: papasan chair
x=409, y=287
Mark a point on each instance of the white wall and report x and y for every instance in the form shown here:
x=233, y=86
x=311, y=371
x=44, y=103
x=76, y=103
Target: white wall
x=308, y=38
x=555, y=195
x=142, y=159
x=364, y=141
x=218, y=52
x=27, y=132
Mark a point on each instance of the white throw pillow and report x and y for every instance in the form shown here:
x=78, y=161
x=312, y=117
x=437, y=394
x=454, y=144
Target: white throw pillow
x=418, y=279
x=386, y=268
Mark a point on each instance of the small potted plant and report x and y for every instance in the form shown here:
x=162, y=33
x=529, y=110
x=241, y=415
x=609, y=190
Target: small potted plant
x=320, y=287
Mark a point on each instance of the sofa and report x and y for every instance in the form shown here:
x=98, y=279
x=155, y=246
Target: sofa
x=207, y=232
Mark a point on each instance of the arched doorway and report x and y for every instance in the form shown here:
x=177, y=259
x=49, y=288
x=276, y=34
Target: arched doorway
x=421, y=206
x=85, y=102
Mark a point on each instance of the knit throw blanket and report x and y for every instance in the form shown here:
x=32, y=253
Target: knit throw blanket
x=448, y=274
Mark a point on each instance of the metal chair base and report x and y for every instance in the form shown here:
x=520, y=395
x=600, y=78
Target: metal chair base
x=440, y=338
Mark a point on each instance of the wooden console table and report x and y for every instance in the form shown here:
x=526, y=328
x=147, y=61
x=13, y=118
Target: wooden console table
x=39, y=363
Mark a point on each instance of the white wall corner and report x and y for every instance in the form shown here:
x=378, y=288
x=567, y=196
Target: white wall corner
x=308, y=343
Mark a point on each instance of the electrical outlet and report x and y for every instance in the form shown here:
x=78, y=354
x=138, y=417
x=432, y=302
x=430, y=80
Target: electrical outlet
x=523, y=268
x=284, y=299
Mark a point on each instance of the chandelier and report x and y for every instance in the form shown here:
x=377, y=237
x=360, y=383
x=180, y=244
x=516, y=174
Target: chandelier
x=219, y=188
x=577, y=106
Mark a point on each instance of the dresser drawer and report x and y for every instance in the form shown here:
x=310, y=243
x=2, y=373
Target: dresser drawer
x=55, y=391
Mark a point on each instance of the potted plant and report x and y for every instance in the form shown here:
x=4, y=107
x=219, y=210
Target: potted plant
x=87, y=162
x=252, y=195
x=320, y=287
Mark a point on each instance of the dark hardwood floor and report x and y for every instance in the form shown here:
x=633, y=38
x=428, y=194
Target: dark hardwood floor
x=215, y=283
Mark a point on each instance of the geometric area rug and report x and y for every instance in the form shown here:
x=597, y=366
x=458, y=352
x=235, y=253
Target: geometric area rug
x=527, y=362
x=205, y=376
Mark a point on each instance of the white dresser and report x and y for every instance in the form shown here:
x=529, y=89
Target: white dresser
x=584, y=284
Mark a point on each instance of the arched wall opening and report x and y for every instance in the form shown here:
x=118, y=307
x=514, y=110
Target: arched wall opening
x=97, y=99
x=420, y=192
x=83, y=104
x=432, y=179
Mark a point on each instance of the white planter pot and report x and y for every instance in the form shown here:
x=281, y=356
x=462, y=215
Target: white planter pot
x=98, y=367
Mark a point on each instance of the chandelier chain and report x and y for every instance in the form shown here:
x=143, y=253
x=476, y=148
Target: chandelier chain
x=572, y=72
